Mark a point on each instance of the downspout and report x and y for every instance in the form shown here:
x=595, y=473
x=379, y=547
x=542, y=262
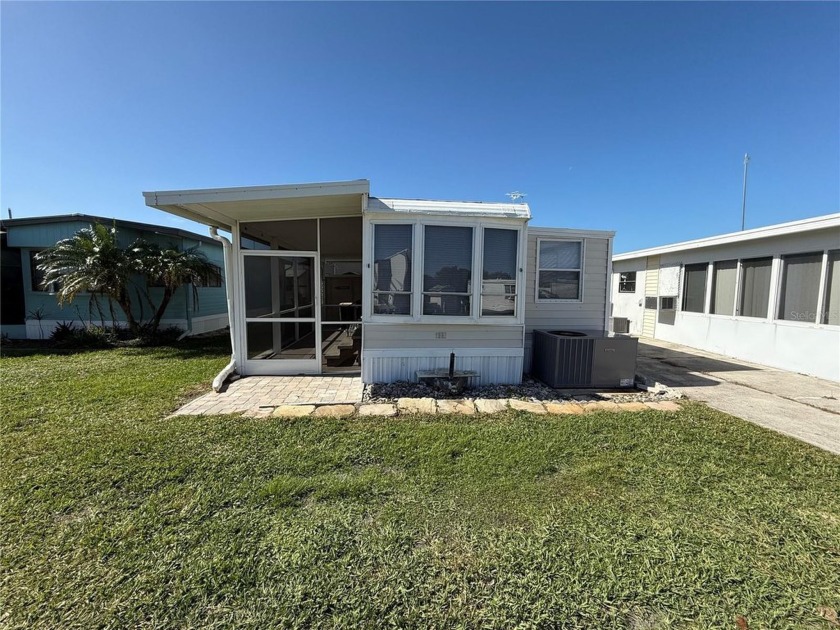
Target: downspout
x=228, y=255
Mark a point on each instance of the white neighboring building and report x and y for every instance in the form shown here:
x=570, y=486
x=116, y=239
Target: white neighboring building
x=769, y=295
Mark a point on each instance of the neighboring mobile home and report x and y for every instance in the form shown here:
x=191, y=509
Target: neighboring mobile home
x=326, y=278
x=769, y=295
x=31, y=311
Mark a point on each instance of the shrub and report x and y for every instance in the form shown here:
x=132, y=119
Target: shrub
x=62, y=332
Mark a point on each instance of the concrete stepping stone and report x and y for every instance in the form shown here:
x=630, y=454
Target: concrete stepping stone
x=602, y=405
x=416, y=405
x=633, y=406
x=564, y=408
x=491, y=405
x=664, y=405
x=527, y=405
x=293, y=411
x=334, y=411
x=380, y=409
x=465, y=407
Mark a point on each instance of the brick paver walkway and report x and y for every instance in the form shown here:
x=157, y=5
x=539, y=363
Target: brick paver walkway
x=341, y=396
x=260, y=395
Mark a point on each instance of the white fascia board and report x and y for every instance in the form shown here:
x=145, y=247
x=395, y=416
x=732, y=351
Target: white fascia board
x=780, y=229
x=378, y=205
x=569, y=232
x=199, y=214
x=254, y=193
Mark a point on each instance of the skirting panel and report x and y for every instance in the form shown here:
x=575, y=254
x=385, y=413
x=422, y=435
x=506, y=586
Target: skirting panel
x=502, y=365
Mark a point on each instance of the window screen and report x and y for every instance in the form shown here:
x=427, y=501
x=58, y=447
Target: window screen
x=832, y=289
x=723, y=287
x=694, y=288
x=559, y=268
x=447, y=270
x=498, y=281
x=392, y=269
x=755, y=287
x=800, y=287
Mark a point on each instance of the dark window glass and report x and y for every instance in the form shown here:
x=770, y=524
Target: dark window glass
x=723, y=287
x=800, y=287
x=498, y=284
x=559, y=270
x=755, y=287
x=627, y=282
x=694, y=288
x=392, y=258
x=447, y=270
x=832, y=289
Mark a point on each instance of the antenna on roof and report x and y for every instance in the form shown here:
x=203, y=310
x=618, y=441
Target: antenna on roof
x=9, y=210
x=516, y=195
x=744, y=198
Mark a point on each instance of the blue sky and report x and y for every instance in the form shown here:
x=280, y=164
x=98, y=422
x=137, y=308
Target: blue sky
x=629, y=117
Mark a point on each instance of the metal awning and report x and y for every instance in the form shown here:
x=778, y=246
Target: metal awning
x=223, y=207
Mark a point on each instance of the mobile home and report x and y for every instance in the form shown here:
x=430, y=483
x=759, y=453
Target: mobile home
x=326, y=278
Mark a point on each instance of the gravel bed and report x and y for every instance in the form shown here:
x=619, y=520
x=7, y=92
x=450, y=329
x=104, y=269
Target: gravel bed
x=529, y=389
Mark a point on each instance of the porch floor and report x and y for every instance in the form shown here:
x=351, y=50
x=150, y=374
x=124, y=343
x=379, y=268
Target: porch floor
x=259, y=395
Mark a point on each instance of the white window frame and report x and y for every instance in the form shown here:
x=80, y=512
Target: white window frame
x=369, y=271
x=820, y=306
x=475, y=227
x=51, y=288
x=579, y=298
x=477, y=224
x=519, y=276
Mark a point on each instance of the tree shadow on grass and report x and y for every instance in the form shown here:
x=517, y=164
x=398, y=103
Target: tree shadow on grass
x=205, y=347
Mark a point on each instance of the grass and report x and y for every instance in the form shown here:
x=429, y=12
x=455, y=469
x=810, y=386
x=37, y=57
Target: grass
x=115, y=516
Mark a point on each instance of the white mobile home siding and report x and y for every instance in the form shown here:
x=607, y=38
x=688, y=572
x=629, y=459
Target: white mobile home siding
x=590, y=313
x=395, y=352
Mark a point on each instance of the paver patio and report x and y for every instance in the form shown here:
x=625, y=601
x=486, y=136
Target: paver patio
x=260, y=395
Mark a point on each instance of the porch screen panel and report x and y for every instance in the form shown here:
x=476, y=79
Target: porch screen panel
x=257, y=286
x=498, y=283
x=280, y=340
x=447, y=270
x=832, y=289
x=392, y=256
x=800, y=287
x=755, y=287
x=723, y=287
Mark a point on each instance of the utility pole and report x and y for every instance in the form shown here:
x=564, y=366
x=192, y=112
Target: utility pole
x=744, y=200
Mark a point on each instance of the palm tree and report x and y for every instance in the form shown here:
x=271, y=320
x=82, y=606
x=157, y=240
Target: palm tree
x=92, y=261
x=172, y=269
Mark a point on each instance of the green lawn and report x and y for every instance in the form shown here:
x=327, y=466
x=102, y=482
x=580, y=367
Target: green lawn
x=115, y=516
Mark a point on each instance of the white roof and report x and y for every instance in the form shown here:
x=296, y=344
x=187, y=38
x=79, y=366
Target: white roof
x=462, y=208
x=780, y=229
x=222, y=207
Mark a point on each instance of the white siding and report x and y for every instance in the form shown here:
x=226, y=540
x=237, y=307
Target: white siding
x=444, y=336
x=630, y=305
x=395, y=352
x=494, y=365
x=587, y=314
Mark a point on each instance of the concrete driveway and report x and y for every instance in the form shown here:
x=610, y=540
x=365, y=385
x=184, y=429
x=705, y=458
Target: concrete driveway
x=803, y=407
